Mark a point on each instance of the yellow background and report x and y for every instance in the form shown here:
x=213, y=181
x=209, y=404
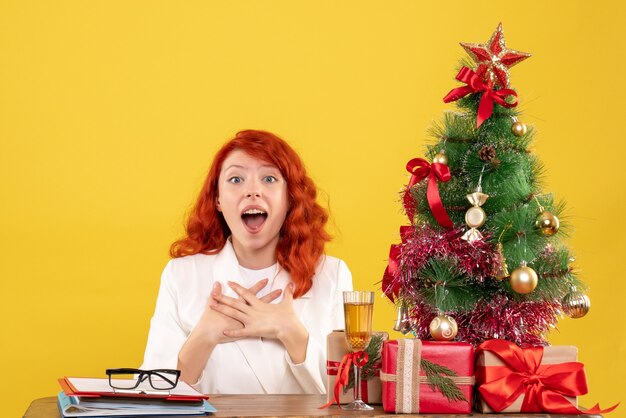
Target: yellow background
x=110, y=112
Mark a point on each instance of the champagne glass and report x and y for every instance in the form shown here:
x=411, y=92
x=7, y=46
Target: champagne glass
x=357, y=308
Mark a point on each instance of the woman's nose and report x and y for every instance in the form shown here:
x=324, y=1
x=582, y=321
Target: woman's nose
x=254, y=189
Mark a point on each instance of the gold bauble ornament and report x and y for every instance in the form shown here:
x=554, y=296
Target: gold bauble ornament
x=518, y=129
x=523, y=279
x=443, y=328
x=547, y=223
x=440, y=158
x=576, y=304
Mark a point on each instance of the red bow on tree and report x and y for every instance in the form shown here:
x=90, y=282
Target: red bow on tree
x=420, y=169
x=391, y=286
x=544, y=386
x=476, y=84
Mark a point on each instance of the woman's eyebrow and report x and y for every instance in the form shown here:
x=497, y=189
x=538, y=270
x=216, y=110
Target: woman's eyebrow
x=264, y=166
x=233, y=166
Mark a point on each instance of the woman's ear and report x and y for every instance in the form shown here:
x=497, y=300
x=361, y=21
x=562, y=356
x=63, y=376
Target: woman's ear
x=217, y=204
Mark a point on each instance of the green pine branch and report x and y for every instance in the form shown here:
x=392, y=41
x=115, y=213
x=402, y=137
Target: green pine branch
x=445, y=287
x=439, y=380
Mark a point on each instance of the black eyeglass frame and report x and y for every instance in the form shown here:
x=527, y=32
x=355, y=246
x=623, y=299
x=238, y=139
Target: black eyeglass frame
x=142, y=375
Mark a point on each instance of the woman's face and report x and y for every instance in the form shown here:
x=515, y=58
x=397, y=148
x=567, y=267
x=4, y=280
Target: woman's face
x=252, y=196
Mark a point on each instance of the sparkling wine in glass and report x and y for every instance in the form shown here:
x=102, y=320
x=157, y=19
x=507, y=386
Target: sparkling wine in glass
x=358, y=307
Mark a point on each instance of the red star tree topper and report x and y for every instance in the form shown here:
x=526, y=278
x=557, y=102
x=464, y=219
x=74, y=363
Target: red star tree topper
x=494, y=59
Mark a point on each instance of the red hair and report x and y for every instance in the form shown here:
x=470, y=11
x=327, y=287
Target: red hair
x=302, y=236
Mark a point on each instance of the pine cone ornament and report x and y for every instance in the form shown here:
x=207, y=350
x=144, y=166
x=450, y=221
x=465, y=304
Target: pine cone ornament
x=487, y=153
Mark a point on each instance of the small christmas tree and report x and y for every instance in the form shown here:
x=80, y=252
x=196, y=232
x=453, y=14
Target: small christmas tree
x=484, y=254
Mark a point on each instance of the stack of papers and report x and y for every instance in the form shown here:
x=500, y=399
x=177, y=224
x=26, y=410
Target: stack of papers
x=87, y=397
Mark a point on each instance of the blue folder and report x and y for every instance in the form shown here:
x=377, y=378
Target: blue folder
x=75, y=406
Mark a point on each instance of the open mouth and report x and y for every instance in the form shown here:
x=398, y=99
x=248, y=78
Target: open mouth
x=254, y=219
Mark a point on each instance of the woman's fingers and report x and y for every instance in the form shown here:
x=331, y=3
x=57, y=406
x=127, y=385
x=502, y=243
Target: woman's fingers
x=271, y=296
x=246, y=296
x=238, y=304
x=228, y=311
x=217, y=288
x=288, y=295
x=216, y=291
x=260, y=318
x=238, y=333
x=258, y=286
x=254, y=289
x=244, y=293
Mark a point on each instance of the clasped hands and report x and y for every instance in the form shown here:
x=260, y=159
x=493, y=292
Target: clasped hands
x=250, y=316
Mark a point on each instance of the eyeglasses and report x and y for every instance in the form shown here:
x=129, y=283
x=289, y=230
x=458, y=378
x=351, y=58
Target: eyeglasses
x=160, y=379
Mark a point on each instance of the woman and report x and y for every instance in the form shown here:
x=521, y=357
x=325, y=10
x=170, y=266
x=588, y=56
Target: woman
x=248, y=298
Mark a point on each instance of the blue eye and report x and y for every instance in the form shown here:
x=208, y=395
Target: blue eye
x=235, y=180
x=270, y=179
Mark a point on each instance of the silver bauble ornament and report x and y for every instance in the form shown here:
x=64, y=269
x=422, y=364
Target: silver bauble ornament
x=576, y=304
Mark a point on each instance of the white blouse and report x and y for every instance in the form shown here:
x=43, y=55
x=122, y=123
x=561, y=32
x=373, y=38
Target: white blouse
x=251, y=365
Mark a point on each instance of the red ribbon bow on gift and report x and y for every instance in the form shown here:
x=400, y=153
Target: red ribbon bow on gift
x=474, y=85
x=420, y=169
x=332, y=369
x=360, y=358
x=544, y=386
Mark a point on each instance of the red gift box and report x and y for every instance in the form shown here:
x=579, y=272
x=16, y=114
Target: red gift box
x=535, y=379
x=406, y=388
